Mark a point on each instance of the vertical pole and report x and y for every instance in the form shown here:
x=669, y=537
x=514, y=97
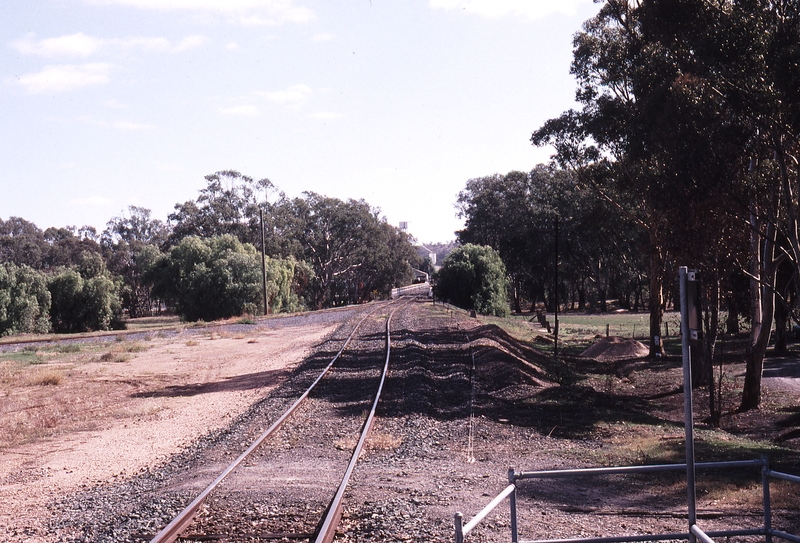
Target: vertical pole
x=458, y=521
x=555, y=329
x=512, y=502
x=263, y=263
x=688, y=414
x=767, y=501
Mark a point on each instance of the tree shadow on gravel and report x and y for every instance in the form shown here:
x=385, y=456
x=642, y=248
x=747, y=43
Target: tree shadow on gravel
x=248, y=381
x=431, y=374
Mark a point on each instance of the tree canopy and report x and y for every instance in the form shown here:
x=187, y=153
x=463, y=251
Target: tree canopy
x=474, y=277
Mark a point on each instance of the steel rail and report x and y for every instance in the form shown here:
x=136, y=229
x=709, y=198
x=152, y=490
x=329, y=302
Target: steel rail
x=327, y=531
x=172, y=530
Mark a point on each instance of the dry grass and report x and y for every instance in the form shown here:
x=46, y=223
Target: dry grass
x=122, y=351
x=191, y=343
x=376, y=441
x=46, y=377
x=345, y=444
x=115, y=356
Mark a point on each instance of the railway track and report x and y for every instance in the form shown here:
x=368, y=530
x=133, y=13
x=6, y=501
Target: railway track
x=280, y=487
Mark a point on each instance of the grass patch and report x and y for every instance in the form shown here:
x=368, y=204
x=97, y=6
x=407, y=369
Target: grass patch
x=382, y=442
x=25, y=357
x=152, y=323
x=191, y=343
x=115, y=356
x=247, y=319
x=134, y=348
x=46, y=378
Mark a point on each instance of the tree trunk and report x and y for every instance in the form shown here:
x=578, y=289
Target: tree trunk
x=732, y=322
x=763, y=306
x=781, y=321
x=711, y=325
x=656, y=300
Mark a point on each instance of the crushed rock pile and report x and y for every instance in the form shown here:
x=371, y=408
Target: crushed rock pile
x=611, y=349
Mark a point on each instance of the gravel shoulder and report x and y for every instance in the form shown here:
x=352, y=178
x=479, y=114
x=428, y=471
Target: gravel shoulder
x=112, y=416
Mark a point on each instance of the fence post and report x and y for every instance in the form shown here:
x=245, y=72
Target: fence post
x=458, y=521
x=512, y=502
x=688, y=413
x=767, y=501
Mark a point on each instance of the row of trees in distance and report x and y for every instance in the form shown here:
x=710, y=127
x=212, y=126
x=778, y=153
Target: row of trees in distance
x=204, y=263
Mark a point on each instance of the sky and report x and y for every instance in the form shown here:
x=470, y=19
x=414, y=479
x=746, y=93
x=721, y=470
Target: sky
x=112, y=103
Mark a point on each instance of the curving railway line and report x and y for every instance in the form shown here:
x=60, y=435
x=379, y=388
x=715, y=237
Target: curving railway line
x=268, y=492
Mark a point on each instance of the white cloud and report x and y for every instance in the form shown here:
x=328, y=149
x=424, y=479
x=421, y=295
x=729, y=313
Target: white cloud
x=277, y=10
x=242, y=111
x=322, y=37
x=257, y=20
x=65, y=77
x=232, y=46
x=130, y=125
x=115, y=104
x=93, y=201
x=120, y=125
x=82, y=45
x=143, y=43
x=326, y=115
x=530, y=9
x=86, y=119
x=293, y=96
x=190, y=42
x=79, y=45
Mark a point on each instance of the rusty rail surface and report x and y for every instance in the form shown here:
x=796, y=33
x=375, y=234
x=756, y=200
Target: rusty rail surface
x=172, y=531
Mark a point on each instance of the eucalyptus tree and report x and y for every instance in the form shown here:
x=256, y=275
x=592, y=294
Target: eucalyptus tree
x=351, y=250
x=650, y=136
x=499, y=212
x=746, y=53
x=228, y=204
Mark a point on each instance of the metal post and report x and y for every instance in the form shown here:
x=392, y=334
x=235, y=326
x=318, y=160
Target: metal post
x=555, y=319
x=264, y=263
x=458, y=521
x=767, y=503
x=688, y=413
x=512, y=502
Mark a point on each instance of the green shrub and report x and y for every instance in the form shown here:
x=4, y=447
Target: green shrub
x=474, y=277
x=219, y=278
x=24, y=300
x=85, y=298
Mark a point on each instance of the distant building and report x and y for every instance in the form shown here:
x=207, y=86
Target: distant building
x=424, y=252
x=404, y=226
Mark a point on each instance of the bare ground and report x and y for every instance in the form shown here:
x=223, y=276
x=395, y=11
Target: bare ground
x=108, y=417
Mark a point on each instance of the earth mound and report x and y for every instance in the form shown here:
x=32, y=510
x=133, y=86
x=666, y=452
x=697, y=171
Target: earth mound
x=611, y=349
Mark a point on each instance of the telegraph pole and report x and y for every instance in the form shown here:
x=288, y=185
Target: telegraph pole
x=555, y=319
x=263, y=263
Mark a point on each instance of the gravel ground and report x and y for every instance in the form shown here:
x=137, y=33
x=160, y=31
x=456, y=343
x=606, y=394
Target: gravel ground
x=452, y=421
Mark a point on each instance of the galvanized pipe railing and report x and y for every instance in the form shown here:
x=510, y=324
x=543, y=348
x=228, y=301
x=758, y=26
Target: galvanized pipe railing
x=695, y=532
x=461, y=531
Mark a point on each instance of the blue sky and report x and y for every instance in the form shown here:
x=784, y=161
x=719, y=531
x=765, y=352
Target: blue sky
x=111, y=103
